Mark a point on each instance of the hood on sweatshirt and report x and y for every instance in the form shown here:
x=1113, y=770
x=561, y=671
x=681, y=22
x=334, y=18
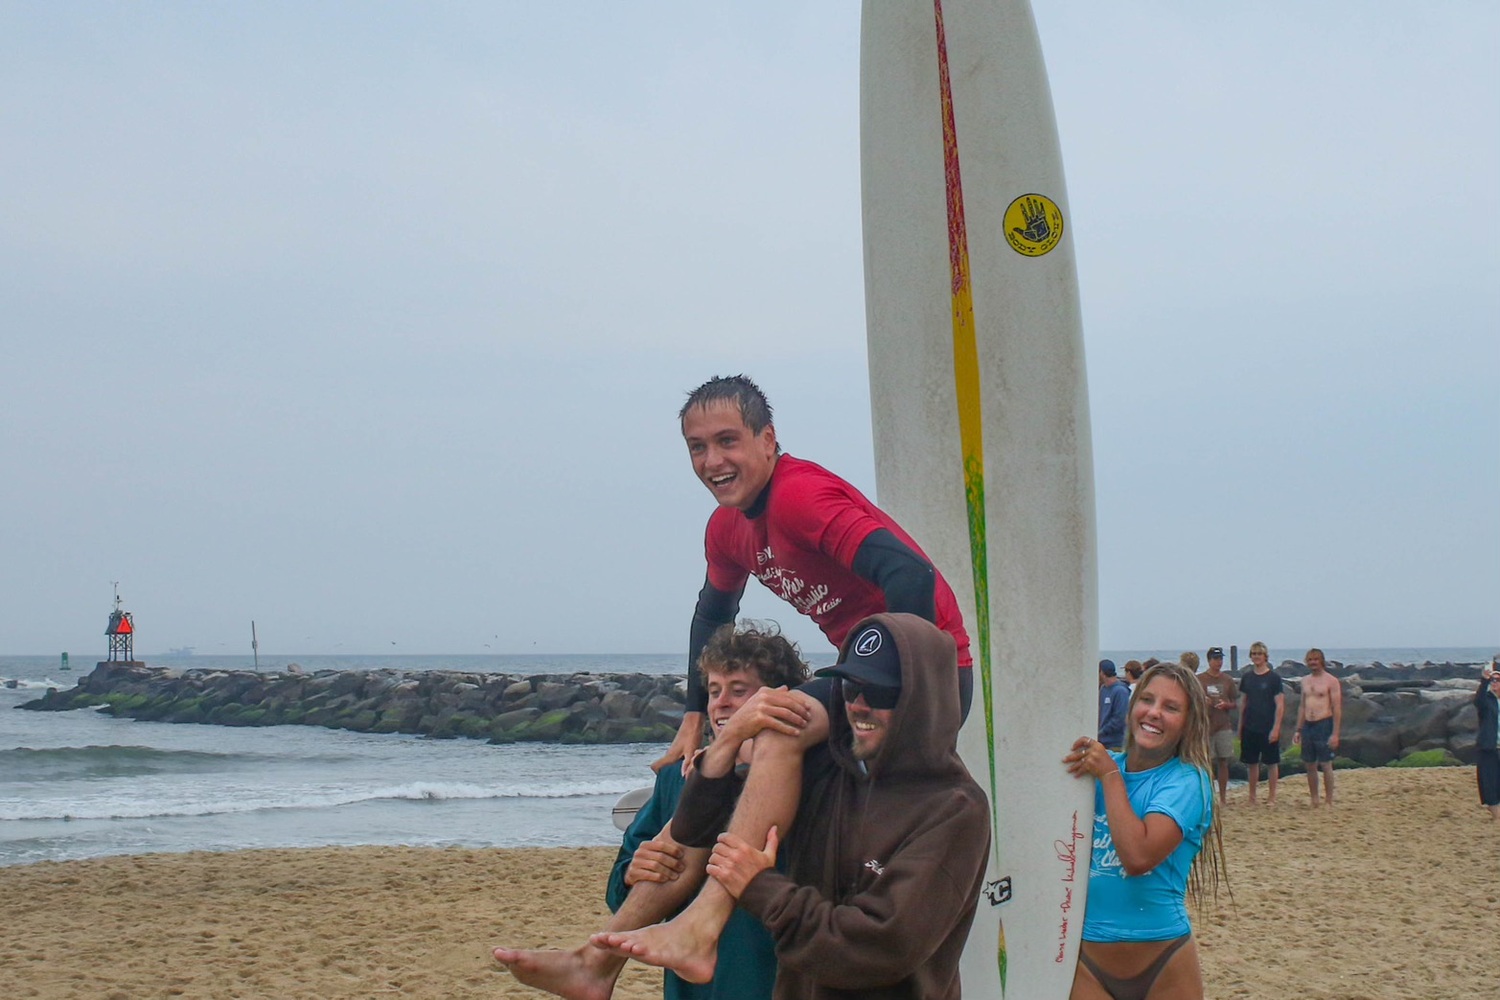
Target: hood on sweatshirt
x=922, y=739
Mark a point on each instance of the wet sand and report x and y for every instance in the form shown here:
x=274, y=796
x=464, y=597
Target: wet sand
x=1393, y=894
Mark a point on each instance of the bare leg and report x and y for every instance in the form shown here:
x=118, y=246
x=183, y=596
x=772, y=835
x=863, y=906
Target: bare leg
x=1224, y=780
x=589, y=972
x=688, y=944
x=1312, y=783
x=1273, y=771
x=1253, y=780
x=1327, y=782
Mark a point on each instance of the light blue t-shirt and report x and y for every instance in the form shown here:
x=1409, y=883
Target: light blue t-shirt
x=1148, y=907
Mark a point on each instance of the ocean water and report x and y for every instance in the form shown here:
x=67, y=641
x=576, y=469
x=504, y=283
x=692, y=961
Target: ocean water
x=80, y=784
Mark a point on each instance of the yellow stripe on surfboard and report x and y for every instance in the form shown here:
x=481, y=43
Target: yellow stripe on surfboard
x=970, y=422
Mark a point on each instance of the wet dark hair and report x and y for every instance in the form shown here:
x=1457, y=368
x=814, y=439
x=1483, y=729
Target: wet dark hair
x=754, y=408
x=754, y=647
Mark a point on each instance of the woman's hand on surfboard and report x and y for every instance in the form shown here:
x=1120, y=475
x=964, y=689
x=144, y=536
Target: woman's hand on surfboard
x=1089, y=759
x=735, y=862
x=655, y=861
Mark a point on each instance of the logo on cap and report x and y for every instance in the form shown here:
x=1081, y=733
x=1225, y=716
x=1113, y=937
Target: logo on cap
x=868, y=643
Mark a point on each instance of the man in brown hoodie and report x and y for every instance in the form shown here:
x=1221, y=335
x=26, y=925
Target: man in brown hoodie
x=887, y=856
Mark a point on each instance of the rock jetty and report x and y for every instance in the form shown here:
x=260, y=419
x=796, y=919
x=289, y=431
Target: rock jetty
x=1390, y=712
x=501, y=708
x=1396, y=710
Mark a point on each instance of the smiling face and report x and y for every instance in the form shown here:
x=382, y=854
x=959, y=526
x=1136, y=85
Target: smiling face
x=727, y=692
x=1158, y=717
x=869, y=726
x=734, y=462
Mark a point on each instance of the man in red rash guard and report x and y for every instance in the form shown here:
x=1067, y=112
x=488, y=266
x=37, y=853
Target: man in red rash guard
x=810, y=537
x=834, y=556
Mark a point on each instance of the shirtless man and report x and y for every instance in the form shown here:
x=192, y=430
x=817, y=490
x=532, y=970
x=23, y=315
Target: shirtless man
x=1318, y=718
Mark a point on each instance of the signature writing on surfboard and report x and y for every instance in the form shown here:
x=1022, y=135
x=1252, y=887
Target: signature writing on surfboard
x=1067, y=853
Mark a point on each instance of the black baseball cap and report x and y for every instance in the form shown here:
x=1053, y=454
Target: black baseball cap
x=871, y=658
x=1107, y=668
x=1216, y=652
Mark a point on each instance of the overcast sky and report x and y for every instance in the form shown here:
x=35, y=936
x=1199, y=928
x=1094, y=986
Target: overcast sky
x=370, y=321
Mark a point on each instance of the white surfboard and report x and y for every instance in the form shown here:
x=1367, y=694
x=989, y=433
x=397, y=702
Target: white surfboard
x=982, y=434
x=623, y=813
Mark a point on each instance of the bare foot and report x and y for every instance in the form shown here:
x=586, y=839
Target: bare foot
x=675, y=945
x=586, y=973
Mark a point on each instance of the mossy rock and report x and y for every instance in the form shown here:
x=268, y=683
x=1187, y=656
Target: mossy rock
x=123, y=704
x=471, y=726
x=1427, y=758
x=225, y=715
x=1346, y=764
x=387, y=725
x=359, y=722
x=547, y=726
x=1291, y=759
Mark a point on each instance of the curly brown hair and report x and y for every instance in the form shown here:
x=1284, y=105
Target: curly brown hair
x=754, y=647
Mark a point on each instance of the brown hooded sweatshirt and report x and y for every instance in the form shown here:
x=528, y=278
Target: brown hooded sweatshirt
x=885, y=861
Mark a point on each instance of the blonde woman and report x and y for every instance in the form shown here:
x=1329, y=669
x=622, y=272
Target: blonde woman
x=1154, y=810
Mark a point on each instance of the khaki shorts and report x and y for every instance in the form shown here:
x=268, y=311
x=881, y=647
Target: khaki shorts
x=1223, y=743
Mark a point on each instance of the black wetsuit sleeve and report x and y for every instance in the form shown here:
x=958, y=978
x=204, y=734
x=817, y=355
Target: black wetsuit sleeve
x=705, y=807
x=908, y=581
x=715, y=608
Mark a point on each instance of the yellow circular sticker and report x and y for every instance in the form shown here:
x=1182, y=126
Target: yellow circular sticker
x=1033, y=224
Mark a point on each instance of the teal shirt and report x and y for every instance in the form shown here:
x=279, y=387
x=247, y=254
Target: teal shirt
x=1148, y=907
x=746, y=967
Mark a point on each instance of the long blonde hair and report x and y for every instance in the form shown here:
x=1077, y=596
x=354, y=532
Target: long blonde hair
x=1209, y=871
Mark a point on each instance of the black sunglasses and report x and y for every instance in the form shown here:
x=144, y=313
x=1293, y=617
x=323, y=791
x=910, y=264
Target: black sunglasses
x=877, y=696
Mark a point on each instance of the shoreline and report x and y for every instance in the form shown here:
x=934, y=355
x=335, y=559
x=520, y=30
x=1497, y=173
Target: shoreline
x=1388, y=895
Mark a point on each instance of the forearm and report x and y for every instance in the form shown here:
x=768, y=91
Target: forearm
x=704, y=809
x=715, y=609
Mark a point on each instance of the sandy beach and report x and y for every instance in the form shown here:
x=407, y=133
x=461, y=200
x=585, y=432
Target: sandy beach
x=1394, y=894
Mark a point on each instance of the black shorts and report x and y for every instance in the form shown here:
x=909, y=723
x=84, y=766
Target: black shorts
x=1489, y=777
x=1315, y=737
x=1258, y=748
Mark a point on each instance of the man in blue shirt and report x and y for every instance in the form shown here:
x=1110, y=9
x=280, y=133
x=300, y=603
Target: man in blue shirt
x=1114, y=699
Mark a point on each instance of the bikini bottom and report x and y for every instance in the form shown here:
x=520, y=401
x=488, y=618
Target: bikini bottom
x=1136, y=987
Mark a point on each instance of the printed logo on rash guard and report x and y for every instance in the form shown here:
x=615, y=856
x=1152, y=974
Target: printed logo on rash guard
x=875, y=866
x=811, y=601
